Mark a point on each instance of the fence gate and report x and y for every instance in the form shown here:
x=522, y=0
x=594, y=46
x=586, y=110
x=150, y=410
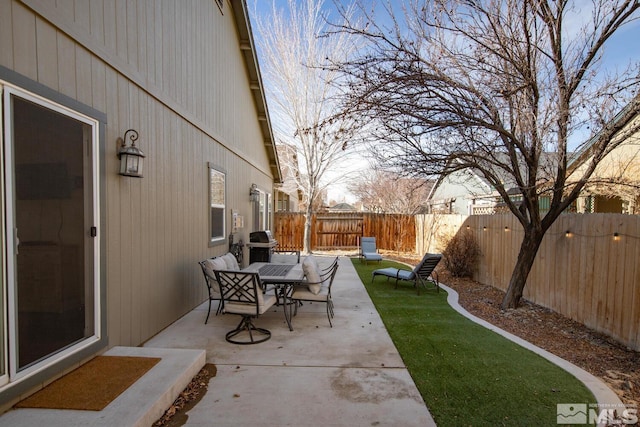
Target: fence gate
x=338, y=230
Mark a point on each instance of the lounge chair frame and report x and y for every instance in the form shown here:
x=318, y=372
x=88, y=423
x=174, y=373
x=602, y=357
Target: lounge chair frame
x=421, y=275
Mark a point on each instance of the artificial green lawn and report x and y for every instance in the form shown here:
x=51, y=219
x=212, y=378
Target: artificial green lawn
x=467, y=375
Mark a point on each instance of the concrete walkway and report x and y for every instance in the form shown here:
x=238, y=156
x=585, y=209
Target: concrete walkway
x=348, y=375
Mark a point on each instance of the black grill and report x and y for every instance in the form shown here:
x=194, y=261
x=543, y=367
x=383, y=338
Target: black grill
x=261, y=245
x=261, y=236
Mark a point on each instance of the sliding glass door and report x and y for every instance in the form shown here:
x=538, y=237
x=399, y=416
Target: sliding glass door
x=50, y=194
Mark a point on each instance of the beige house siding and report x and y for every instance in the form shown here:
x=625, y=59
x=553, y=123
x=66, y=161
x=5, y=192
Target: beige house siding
x=175, y=72
x=184, y=55
x=614, y=184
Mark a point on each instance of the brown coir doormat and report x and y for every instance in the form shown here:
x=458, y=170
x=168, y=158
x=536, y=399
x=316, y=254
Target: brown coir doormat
x=93, y=385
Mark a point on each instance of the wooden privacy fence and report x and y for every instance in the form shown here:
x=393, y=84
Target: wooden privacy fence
x=333, y=230
x=288, y=230
x=343, y=230
x=586, y=268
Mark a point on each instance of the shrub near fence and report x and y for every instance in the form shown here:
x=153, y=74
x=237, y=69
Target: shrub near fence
x=586, y=268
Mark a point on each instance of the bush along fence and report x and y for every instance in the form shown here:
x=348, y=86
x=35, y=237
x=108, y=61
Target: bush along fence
x=586, y=269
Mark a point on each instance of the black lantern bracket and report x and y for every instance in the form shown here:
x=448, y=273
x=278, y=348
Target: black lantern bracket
x=131, y=157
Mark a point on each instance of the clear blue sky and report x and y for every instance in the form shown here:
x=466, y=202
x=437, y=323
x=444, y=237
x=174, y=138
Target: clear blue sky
x=620, y=50
x=624, y=46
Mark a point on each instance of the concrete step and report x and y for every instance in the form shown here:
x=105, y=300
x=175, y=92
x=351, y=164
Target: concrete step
x=140, y=405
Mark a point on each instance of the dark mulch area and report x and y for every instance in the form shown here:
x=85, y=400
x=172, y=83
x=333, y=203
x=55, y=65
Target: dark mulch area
x=614, y=363
x=176, y=415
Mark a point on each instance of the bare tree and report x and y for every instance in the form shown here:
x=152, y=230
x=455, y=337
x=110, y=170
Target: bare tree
x=497, y=85
x=302, y=93
x=387, y=192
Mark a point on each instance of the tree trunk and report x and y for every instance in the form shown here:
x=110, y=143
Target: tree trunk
x=526, y=257
x=306, y=240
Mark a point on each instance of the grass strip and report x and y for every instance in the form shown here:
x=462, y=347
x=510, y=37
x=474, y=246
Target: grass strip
x=467, y=374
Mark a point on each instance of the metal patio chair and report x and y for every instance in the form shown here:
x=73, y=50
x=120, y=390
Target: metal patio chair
x=242, y=295
x=209, y=266
x=324, y=279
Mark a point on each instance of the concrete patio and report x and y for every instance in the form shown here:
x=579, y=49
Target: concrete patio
x=350, y=374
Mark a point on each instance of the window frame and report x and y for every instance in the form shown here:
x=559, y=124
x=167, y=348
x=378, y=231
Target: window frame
x=269, y=211
x=264, y=210
x=218, y=238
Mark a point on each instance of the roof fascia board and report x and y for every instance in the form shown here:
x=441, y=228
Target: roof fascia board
x=247, y=46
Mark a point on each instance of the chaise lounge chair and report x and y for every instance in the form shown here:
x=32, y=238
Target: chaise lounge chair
x=368, y=250
x=420, y=275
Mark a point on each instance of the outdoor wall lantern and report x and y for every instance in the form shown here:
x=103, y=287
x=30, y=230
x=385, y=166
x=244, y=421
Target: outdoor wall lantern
x=131, y=157
x=254, y=193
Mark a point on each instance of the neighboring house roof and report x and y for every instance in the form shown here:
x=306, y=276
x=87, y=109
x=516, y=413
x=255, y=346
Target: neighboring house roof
x=621, y=120
x=247, y=46
x=342, y=207
x=482, y=187
x=618, y=172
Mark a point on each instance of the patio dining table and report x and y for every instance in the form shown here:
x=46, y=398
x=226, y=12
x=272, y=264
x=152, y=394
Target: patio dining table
x=283, y=277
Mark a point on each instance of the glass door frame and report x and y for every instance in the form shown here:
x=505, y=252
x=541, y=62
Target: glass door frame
x=10, y=338
x=4, y=349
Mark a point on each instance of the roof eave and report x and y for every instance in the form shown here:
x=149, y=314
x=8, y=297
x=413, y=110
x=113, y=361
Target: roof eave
x=247, y=46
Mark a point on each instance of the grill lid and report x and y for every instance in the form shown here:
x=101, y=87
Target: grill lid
x=263, y=236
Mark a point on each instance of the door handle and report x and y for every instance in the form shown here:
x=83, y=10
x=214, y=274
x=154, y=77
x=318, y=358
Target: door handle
x=16, y=240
